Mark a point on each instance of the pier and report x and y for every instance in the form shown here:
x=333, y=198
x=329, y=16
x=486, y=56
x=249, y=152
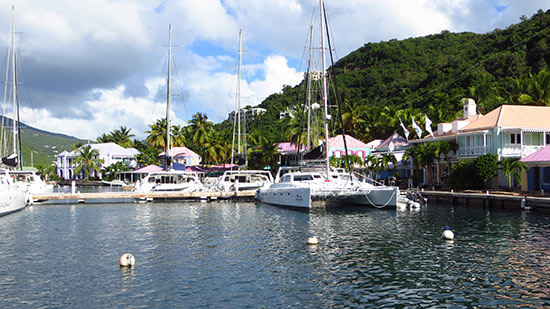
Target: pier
x=122, y=197
x=496, y=198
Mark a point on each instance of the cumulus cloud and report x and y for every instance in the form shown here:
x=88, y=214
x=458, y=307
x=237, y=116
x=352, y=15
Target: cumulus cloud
x=90, y=65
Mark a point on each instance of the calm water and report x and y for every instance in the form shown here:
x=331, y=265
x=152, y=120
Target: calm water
x=247, y=255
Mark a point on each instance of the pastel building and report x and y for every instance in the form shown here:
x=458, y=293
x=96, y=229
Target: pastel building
x=509, y=131
x=110, y=153
x=181, y=157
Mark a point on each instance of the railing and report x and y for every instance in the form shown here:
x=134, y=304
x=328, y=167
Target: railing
x=465, y=152
x=527, y=150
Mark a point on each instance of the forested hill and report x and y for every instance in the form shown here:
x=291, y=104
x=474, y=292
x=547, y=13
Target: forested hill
x=380, y=83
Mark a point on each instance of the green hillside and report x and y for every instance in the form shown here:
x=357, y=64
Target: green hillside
x=43, y=145
x=380, y=83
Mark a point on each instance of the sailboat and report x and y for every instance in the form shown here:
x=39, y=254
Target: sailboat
x=169, y=180
x=241, y=180
x=12, y=196
x=297, y=187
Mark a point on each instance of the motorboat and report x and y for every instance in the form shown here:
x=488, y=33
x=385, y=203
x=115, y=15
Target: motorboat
x=31, y=182
x=243, y=180
x=169, y=181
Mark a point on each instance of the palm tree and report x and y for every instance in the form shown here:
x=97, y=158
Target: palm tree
x=536, y=89
x=177, y=136
x=157, y=134
x=122, y=136
x=87, y=160
x=512, y=167
x=199, y=129
x=352, y=116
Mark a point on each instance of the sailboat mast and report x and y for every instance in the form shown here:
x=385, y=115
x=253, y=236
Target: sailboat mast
x=238, y=94
x=13, y=79
x=168, y=99
x=309, y=89
x=325, y=99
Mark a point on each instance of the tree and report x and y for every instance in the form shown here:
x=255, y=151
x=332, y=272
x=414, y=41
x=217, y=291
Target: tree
x=536, y=89
x=157, y=134
x=486, y=167
x=512, y=167
x=87, y=161
x=199, y=129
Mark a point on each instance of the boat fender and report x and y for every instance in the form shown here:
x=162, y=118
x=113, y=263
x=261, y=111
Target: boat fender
x=448, y=234
x=127, y=260
x=312, y=240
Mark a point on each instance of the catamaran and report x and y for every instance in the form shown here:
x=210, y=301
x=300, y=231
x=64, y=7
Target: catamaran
x=169, y=179
x=13, y=197
x=299, y=188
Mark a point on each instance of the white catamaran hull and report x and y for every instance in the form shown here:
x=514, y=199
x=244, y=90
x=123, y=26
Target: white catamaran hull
x=12, y=200
x=295, y=197
x=376, y=197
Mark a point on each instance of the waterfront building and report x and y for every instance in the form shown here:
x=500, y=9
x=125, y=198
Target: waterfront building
x=247, y=114
x=110, y=153
x=396, y=145
x=509, y=131
x=181, y=158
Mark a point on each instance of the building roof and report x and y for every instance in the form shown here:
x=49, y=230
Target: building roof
x=512, y=116
x=395, y=141
x=540, y=156
x=351, y=142
x=181, y=152
x=105, y=148
x=288, y=147
x=149, y=168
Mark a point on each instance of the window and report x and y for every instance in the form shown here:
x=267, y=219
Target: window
x=532, y=138
x=512, y=138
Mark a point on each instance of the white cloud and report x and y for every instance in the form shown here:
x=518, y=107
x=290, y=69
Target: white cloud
x=88, y=64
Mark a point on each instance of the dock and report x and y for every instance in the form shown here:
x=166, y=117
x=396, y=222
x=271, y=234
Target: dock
x=124, y=197
x=488, y=198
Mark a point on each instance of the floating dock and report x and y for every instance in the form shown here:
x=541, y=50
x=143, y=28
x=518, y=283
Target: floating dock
x=124, y=197
x=496, y=198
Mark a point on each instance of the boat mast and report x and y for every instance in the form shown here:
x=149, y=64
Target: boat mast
x=168, y=99
x=325, y=99
x=238, y=94
x=309, y=89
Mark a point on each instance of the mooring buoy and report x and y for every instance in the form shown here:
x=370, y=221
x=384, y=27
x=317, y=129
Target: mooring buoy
x=127, y=260
x=448, y=234
x=312, y=240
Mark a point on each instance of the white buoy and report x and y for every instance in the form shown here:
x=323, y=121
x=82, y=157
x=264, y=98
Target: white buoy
x=448, y=234
x=312, y=240
x=127, y=260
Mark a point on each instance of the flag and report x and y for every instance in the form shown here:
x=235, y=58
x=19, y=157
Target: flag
x=404, y=129
x=429, y=126
x=417, y=128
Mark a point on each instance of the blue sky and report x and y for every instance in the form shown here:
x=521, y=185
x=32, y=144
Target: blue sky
x=92, y=66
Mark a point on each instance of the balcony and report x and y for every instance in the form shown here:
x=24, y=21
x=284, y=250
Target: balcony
x=472, y=152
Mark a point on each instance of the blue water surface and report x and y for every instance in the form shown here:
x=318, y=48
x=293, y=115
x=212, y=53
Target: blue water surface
x=228, y=254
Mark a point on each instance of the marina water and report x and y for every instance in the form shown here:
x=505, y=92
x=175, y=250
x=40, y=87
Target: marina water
x=229, y=254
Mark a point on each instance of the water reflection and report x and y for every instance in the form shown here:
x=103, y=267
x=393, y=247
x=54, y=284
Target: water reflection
x=243, y=254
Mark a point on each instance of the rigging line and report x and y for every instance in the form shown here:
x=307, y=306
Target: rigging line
x=159, y=88
x=27, y=88
x=180, y=89
x=334, y=85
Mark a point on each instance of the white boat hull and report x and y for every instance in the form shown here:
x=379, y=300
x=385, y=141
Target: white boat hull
x=376, y=197
x=12, y=200
x=295, y=197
